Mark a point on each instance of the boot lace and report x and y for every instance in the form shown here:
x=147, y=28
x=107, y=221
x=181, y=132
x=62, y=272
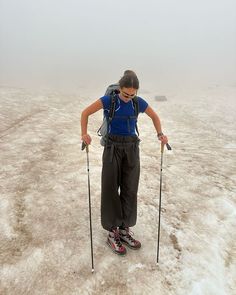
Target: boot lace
x=129, y=235
x=117, y=237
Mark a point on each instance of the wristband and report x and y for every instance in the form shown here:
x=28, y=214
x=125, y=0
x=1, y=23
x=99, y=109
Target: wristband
x=159, y=134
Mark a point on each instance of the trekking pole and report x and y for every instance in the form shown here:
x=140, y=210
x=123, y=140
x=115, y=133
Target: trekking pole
x=159, y=217
x=90, y=215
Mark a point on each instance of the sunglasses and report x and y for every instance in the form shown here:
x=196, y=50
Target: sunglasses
x=127, y=95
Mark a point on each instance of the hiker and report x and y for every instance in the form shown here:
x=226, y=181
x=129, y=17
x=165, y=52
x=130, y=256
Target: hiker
x=121, y=165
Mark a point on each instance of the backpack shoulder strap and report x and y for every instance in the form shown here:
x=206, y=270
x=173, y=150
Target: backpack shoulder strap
x=112, y=107
x=136, y=105
x=136, y=111
x=111, y=112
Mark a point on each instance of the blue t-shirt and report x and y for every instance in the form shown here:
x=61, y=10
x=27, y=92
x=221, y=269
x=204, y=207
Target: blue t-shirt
x=123, y=122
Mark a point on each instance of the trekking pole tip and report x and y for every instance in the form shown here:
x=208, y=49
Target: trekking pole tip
x=92, y=270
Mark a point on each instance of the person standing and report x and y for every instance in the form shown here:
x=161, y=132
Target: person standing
x=121, y=164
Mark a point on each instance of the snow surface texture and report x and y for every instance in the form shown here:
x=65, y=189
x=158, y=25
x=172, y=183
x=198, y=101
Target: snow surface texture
x=44, y=221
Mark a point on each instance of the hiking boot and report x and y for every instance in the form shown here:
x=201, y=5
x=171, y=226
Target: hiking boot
x=126, y=237
x=113, y=241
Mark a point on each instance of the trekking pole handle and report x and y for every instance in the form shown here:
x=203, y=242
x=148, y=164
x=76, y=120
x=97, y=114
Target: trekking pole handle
x=84, y=145
x=168, y=147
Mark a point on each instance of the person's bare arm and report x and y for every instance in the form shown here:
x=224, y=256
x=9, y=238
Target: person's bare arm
x=155, y=119
x=157, y=124
x=93, y=108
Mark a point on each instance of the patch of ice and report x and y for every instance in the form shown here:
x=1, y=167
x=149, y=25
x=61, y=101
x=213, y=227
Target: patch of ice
x=230, y=145
x=206, y=287
x=5, y=227
x=24, y=266
x=136, y=266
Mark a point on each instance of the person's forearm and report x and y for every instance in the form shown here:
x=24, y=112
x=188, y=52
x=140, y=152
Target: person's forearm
x=84, y=123
x=157, y=124
x=94, y=107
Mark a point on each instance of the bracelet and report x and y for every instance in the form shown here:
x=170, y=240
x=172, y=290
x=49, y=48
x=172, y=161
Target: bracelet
x=159, y=134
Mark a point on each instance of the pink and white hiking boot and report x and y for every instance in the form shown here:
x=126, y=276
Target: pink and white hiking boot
x=113, y=241
x=126, y=237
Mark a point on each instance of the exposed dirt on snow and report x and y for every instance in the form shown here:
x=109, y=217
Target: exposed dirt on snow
x=44, y=221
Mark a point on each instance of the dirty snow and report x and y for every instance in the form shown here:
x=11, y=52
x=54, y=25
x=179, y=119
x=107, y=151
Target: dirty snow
x=44, y=223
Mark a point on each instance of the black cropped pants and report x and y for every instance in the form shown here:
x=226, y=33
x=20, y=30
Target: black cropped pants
x=120, y=179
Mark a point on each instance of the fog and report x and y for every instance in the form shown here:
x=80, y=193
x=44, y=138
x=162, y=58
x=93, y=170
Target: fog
x=75, y=45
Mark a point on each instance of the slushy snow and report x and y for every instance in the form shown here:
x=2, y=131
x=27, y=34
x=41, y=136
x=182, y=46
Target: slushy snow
x=44, y=221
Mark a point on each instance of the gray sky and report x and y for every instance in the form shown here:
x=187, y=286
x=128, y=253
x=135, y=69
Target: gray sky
x=70, y=44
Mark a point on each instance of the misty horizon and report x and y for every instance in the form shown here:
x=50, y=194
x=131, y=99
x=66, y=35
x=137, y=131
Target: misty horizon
x=75, y=45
